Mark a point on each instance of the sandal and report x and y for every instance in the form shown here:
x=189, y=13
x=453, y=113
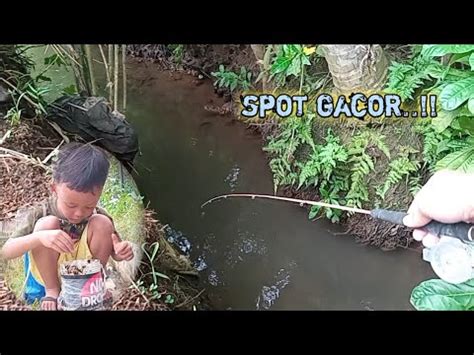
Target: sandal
x=49, y=299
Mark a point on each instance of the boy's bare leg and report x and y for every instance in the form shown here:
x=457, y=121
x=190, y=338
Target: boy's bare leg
x=46, y=260
x=99, y=237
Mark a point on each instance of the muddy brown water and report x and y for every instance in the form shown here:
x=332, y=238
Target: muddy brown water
x=252, y=254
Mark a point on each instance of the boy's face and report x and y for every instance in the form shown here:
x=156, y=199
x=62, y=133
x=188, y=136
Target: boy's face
x=75, y=206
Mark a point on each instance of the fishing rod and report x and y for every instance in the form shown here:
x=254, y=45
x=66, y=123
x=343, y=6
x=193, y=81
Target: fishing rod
x=463, y=231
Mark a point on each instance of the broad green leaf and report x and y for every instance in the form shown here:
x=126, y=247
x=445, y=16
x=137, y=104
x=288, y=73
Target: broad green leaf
x=280, y=65
x=71, y=89
x=460, y=57
x=471, y=61
x=440, y=295
x=462, y=160
x=313, y=212
x=294, y=67
x=443, y=120
x=455, y=94
x=438, y=50
x=305, y=60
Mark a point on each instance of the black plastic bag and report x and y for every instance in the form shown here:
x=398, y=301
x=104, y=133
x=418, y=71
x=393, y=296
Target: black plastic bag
x=92, y=119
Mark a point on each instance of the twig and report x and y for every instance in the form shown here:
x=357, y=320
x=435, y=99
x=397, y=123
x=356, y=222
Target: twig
x=5, y=137
x=53, y=152
x=14, y=153
x=59, y=130
x=60, y=50
x=163, y=228
x=6, y=165
x=116, y=69
x=35, y=161
x=141, y=293
x=107, y=72
x=191, y=299
x=110, y=54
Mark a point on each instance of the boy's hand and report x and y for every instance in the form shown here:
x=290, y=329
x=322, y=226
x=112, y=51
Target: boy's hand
x=122, y=249
x=57, y=240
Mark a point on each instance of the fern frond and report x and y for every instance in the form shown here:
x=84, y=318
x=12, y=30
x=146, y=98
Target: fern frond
x=399, y=168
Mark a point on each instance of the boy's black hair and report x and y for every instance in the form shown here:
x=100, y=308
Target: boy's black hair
x=82, y=167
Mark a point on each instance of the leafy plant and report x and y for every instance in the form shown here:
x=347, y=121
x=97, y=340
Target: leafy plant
x=405, y=78
x=446, y=143
x=151, y=291
x=401, y=167
x=151, y=252
x=291, y=59
x=458, y=90
x=440, y=295
x=462, y=158
x=177, y=51
x=361, y=164
x=414, y=184
x=231, y=80
x=330, y=192
x=323, y=168
x=169, y=299
x=294, y=132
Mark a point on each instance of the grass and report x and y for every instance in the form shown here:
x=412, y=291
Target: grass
x=121, y=199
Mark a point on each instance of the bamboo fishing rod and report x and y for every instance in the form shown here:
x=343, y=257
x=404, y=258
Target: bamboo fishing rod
x=461, y=230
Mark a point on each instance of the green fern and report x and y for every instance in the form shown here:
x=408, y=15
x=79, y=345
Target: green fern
x=294, y=132
x=309, y=173
x=323, y=161
x=437, y=145
x=405, y=78
x=331, y=154
x=362, y=164
x=414, y=184
x=399, y=168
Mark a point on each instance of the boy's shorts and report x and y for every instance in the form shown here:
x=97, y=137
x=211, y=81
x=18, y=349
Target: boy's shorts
x=34, y=287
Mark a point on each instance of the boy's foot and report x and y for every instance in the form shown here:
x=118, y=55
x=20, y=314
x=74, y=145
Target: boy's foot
x=49, y=303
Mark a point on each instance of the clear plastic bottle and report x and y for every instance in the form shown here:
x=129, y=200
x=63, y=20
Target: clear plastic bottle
x=451, y=259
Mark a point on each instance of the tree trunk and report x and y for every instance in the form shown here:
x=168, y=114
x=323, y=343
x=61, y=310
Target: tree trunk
x=124, y=77
x=87, y=49
x=356, y=67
